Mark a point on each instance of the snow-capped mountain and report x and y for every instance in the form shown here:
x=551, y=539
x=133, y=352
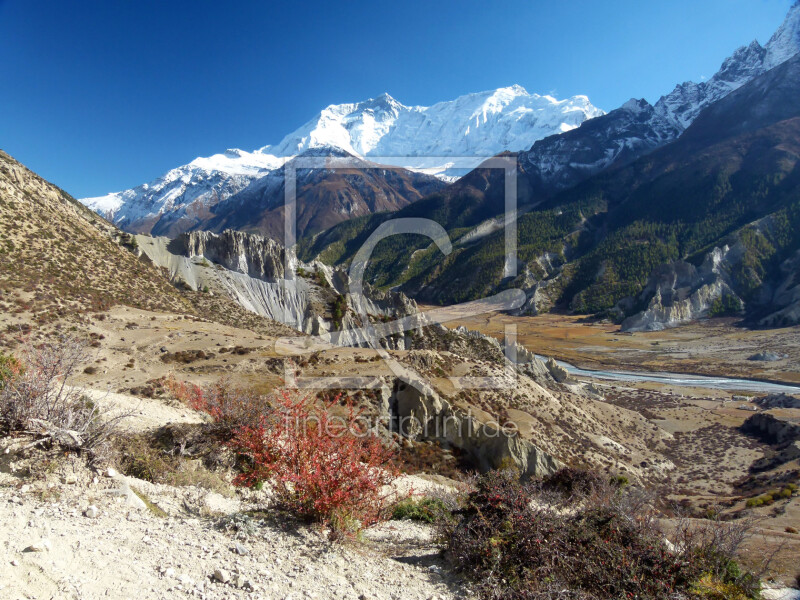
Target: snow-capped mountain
x=474, y=125
x=324, y=198
x=637, y=127
x=481, y=124
x=204, y=181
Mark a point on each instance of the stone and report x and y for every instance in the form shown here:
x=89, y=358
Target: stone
x=92, y=512
x=42, y=545
x=240, y=549
x=110, y=472
x=70, y=479
x=767, y=356
x=222, y=575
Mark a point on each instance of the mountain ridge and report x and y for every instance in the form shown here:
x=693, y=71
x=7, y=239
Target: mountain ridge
x=474, y=125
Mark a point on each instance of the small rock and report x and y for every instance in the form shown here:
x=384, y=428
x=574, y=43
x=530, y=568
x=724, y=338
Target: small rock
x=222, y=575
x=15, y=563
x=42, y=545
x=169, y=572
x=69, y=479
x=92, y=512
x=111, y=472
x=240, y=549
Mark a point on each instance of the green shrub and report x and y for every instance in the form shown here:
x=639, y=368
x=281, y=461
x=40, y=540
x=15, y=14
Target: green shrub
x=724, y=306
x=9, y=367
x=427, y=510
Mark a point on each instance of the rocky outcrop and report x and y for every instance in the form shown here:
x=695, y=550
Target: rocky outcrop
x=772, y=429
x=785, y=300
x=778, y=401
x=558, y=372
x=541, y=283
x=251, y=255
x=251, y=269
x=679, y=292
x=516, y=353
x=767, y=356
x=419, y=413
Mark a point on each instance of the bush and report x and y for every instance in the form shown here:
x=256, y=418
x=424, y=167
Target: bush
x=574, y=483
x=324, y=468
x=516, y=545
x=426, y=510
x=230, y=407
x=36, y=396
x=143, y=455
x=724, y=306
x=10, y=368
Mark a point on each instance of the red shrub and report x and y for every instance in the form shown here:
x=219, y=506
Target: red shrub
x=324, y=467
x=230, y=407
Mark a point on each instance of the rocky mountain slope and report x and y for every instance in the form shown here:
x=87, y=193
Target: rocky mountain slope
x=250, y=270
x=58, y=257
x=637, y=127
x=59, y=261
x=474, y=125
x=324, y=197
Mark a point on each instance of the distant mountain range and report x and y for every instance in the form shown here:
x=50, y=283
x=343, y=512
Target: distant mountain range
x=475, y=125
x=677, y=211
x=651, y=214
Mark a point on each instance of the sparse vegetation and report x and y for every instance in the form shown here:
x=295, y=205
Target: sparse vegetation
x=783, y=493
x=517, y=542
x=426, y=509
x=725, y=305
x=338, y=310
x=230, y=407
x=36, y=396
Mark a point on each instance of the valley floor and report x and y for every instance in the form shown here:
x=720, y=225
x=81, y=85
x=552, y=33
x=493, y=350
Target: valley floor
x=642, y=426
x=710, y=347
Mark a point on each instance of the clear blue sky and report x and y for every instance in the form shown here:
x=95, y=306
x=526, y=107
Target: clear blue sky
x=101, y=95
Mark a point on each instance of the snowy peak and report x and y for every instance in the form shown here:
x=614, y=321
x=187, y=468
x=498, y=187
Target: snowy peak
x=482, y=123
x=637, y=127
x=785, y=42
x=235, y=161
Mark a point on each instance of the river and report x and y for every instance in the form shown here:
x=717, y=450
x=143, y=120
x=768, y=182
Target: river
x=680, y=379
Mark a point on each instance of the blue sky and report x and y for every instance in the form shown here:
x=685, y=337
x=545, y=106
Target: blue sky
x=101, y=95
